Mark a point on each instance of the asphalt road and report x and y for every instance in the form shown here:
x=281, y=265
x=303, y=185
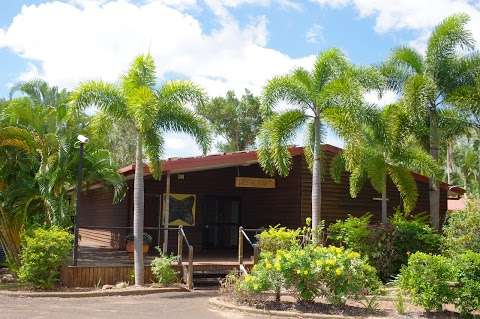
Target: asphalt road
x=167, y=305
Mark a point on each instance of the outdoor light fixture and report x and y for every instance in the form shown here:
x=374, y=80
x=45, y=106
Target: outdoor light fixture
x=82, y=139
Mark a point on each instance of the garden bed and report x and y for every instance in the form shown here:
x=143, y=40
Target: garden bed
x=289, y=308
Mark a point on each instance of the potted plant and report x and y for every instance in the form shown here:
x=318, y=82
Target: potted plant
x=147, y=240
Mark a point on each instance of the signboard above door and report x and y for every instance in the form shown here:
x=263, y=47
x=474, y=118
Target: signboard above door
x=254, y=182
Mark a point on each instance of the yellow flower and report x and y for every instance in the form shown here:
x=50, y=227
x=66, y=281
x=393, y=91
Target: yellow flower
x=331, y=261
x=305, y=272
x=277, y=266
x=353, y=255
x=338, y=271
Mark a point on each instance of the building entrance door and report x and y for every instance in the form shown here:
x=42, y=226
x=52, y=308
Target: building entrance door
x=222, y=219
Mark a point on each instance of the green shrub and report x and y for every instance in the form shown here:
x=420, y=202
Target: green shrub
x=428, y=279
x=386, y=246
x=313, y=271
x=352, y=232
x=163, y=270
x=467, y=288
x=43, y=253
x=277, y=238
x=462, y=230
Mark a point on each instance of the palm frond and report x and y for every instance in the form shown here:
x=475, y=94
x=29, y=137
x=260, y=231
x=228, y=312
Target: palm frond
x=105, y=96
x=288, y=89
x=275, y=135
x=406, y=185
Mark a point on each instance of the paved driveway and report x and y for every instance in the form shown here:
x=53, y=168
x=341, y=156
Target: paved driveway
x=166, y=305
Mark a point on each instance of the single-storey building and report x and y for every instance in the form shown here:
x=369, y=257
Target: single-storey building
x=211, y=196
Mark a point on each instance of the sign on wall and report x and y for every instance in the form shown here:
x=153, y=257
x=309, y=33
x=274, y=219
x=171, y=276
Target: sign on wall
x=254, y=182
x=182, y=209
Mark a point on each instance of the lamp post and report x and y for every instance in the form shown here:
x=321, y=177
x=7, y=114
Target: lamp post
x=82, y=141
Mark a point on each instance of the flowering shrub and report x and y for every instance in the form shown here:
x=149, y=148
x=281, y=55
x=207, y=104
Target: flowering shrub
x=276, y=238
x=393, y=242
x=333, y=273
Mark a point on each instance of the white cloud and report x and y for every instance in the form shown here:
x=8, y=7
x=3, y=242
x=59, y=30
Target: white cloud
x=387, y=97
x=315, y=34
x=421, y=15
x=68, y=42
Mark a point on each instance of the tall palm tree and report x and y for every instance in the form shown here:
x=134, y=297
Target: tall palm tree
x=380, y=149
x=332, y=84
x=152, y=111
x=427, y=80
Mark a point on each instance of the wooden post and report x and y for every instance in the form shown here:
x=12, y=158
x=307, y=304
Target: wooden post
x=180, y=246
x=190, y=268
x=240, y=245
x=166, y=214
x=256, y=252
x=160, y=208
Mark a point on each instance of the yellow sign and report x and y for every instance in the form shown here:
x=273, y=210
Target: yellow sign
x=182, y=209
x=254, y=182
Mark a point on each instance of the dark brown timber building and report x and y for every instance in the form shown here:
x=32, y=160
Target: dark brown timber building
x=213, y=195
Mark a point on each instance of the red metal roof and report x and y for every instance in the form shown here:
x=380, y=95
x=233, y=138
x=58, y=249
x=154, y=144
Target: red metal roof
x=243, y=158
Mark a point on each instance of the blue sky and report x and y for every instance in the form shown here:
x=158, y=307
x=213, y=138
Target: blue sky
x=221, y=44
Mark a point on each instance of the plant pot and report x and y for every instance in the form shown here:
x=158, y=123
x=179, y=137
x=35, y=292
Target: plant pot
x=130, y=247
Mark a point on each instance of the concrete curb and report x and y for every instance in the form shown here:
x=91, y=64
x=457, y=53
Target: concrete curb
x=217, y=303
x=96, y=293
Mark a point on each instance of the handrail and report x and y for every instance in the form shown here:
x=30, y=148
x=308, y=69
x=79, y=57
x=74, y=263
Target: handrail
x=182, y=238
x=256, y=250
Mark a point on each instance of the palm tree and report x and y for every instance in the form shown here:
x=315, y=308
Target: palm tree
x=378, y=149
x=38, y=165
x=152, y=111
x=332, y=84
x=427, y=81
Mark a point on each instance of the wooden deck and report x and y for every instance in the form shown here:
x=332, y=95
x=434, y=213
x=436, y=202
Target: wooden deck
x=97, y=266
x=92, y=256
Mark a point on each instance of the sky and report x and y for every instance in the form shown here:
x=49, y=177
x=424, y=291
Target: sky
x=220, y=44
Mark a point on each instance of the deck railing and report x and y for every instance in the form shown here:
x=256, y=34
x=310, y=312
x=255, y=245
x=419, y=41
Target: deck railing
x=242, y=236
x=181, y=241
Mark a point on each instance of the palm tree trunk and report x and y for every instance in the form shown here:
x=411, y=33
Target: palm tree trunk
x=316, y=182
x=384, y=200
x=449, y=162
x=434, y=192
x=138, y=206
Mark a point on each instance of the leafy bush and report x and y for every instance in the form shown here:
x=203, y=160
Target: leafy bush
x=467, y=288
x=277, y=238
x=313, y=271
x=162, y=269
x=386, y=246
x=147, y=238
x=428, y=279
x=43, y=252
x=462, y=230
x=352, y=232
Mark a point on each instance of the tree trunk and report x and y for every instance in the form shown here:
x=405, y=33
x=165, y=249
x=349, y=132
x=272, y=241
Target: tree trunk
x=384, y=200
x=316, y=182
x=449, y=162
x=434, y=192
x=138, y=210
